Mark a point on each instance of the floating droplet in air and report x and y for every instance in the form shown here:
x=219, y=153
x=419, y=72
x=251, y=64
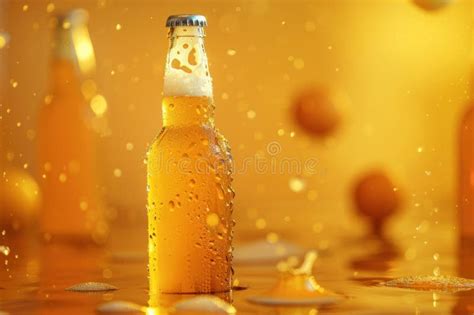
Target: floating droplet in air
x=315, y=111
x=376, y=198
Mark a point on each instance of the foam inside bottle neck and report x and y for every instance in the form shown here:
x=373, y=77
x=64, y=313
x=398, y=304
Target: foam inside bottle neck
x=186, y=71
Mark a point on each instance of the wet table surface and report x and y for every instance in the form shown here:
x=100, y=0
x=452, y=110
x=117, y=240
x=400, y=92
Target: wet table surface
x=35, y=274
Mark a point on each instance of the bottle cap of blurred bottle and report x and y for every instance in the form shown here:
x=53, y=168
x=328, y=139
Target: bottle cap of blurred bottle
x=186, y=20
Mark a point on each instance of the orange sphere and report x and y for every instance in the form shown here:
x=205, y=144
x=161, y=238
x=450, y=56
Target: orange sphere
x=315, y=111
x=376, y=198
x=431, y=5
x=20, y=198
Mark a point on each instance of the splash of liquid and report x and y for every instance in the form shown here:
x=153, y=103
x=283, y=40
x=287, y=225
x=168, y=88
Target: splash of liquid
x=431, y=283
x=297, y=286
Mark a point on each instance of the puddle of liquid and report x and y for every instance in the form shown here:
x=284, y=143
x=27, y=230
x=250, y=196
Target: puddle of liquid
x=204, y=304
x=92, y=287
x=120, y=307
x=263, y=251
x=431, y=283
x=298, y=287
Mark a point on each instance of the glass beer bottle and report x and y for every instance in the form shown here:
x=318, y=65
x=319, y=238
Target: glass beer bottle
x=189, y=175
x=71, y=207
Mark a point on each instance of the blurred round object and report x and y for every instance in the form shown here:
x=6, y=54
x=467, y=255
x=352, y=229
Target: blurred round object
x=431, y=5
x=20, y=198
x=315, y=111
x=376, y=198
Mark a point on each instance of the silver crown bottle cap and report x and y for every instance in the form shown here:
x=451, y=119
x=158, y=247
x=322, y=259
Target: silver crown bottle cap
x=186, y=20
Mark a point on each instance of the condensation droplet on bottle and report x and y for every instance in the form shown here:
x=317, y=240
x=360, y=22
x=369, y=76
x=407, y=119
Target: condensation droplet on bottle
x=212, y=219
x=172, y=205
x=220, y=192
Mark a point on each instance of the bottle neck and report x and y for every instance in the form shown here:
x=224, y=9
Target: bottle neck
x=64, y=70
x=187, y=83
x=63, y=47
x=186, y=69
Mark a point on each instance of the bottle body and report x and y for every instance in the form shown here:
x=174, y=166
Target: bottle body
x=466, y=175
x=66, y=152
x=65, y=156
x=189, y=202
x=189, y=176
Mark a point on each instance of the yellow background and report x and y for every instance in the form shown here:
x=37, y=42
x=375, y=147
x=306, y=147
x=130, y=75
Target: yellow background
x=405, y=73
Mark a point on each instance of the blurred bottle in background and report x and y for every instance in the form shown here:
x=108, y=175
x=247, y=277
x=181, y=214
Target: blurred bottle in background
x=71, y=205
x=466, y=174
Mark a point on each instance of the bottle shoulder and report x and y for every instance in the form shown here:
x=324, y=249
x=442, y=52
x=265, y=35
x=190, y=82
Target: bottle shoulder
x=189, y=137
x=175, y=133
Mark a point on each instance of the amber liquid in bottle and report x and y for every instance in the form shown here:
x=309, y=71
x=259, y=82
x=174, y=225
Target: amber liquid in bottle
x=189, y=180
x=71, y=207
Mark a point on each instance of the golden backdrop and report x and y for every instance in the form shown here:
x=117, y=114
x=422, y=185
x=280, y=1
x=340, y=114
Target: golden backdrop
x=401, y=75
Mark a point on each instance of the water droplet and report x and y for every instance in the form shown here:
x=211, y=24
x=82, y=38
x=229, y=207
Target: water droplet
x=260, y=224
x=251, y=114
x=98, y=105
x=297, y=184
x=62, y=177
x=83, y=205
x=220, y=192
x=212, y=219
x=117, y=172
x=272, y=237
x=172, y=205
x=5, y=250
x=50, y=7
